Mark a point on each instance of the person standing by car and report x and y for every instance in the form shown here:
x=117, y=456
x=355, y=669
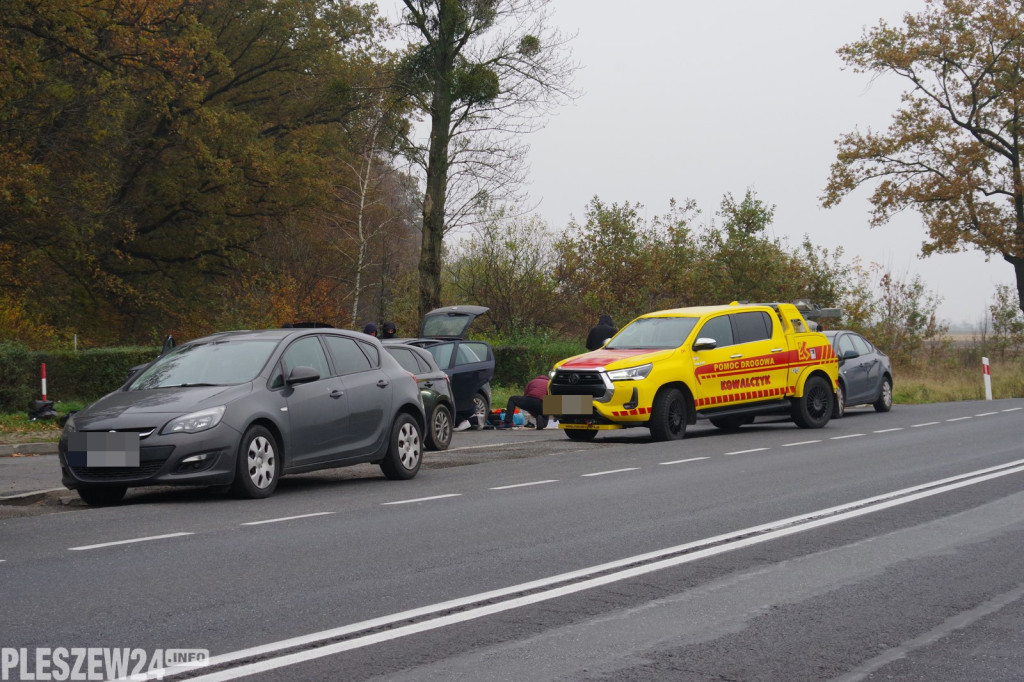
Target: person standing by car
x=389, y=330
x=601, y=332
x=532, y=401
x=370, y=329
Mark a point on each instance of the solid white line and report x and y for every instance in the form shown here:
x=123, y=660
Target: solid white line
x=989, y=414
x=613, y=471
x=960, y=419
x=523, y=485
x=287, y=518
x=1013, y=409
x=480, y=447
x=423, y=499
x=803, y=442
x=915, y=426
x=743, y=452
x=681, y=461
x=732, y=541
x=849, y=435
x=898, y=428
x=128, y=542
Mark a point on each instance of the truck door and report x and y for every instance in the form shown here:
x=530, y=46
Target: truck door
x=748, y=363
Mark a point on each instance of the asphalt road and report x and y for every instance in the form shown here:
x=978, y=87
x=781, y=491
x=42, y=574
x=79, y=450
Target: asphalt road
x=885, y=546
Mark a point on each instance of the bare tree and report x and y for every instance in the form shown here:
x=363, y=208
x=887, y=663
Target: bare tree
x=484, y=72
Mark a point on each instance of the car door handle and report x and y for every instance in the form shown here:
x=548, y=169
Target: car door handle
x=776, y=350
x=737, y=355
x=383, y=383
x=336, y=393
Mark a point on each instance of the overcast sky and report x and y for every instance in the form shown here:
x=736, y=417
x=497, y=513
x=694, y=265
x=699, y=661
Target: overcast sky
x=685, y=99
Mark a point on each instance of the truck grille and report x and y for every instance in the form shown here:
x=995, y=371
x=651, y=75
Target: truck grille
x=578, y=383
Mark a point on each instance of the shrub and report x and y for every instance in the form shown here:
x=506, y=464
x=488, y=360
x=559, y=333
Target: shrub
x=20, y=377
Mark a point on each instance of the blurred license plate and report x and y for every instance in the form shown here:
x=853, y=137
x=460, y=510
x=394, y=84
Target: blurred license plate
x=568, y=404
x=104, y=449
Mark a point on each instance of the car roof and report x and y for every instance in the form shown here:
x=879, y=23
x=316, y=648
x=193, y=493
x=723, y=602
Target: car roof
x=273, y=334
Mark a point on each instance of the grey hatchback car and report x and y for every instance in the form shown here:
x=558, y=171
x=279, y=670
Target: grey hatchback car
x=865, y=373
x=242, y=409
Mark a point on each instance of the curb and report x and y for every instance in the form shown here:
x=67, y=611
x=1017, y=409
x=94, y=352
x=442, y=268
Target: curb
x=29, y=497
x=28, y=449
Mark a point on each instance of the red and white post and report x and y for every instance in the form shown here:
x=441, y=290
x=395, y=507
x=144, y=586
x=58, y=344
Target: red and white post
x=44, y=380
x=988, y=378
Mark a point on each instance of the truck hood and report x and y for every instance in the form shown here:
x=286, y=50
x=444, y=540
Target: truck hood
x=614, y=359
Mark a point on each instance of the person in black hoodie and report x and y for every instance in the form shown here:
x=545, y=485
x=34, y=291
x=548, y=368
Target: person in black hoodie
x=602, y=331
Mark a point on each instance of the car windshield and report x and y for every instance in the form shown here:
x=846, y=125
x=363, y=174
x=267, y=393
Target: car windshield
x=218, y=363
x=654, y=333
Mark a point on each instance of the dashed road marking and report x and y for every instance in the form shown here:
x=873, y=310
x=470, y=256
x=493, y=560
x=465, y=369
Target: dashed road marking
x=613, y=471
x=960, y=419
x=917, y=426
x=987, y=414
x=423, y=499
x=849, y=435
x=744, y=452
x=803, y=442
x=287, y=518
x=133, y=540
x=898, y=428
x=681, y=461
x=523, y=485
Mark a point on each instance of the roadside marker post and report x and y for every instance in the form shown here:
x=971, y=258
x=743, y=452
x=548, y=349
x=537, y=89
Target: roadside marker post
x=44, y=380
x=988, y=378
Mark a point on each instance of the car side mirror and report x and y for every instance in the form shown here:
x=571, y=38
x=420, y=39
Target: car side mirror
x=302, y=375
x=850, y=355
x=705, y=343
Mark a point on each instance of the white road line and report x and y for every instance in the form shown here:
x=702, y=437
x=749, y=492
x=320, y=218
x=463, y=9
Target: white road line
x=484, y=604
x=960, y=419
x=128, y=542
x=898, y=428
x=1013, y=409
x=613, y=471
x=989, y=414
x=681, y=461
x=803, y=442
x=422, y=499
x=287, y=518
x=524, y=485
x=481, y=447
x=916, y=426
x=744, y=452
x=849, y=435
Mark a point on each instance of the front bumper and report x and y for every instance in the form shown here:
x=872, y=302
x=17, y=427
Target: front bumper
x=161, y=461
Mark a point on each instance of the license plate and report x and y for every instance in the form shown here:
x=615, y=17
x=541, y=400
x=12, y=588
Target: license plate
x=104, y=449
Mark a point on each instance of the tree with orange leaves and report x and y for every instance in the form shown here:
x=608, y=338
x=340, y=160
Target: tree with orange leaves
x=954, y=148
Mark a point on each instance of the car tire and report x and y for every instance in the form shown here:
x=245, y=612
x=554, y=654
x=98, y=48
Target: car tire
x=102, y=495
x=731, y=423
x=439, y=435
x=405, y=449
x=581, y=435
x=813, y=409
x=258, y=465
x=839, y=403
x=884, y=402
x=668, y=415
x=481, y=408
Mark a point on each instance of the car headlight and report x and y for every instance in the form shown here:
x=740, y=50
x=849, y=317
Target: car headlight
x=196, y=421
x=630, y=373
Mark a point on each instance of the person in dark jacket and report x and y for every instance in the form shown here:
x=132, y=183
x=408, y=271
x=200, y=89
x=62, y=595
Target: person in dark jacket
x=370, y=329
x=532, y=401
x=389, y=330
x=601, y=332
